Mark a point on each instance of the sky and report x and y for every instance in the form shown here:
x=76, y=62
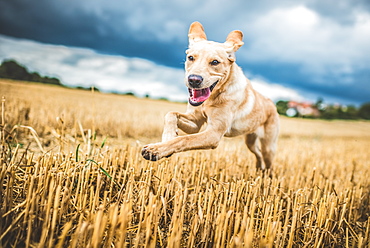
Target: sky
x=294, y=49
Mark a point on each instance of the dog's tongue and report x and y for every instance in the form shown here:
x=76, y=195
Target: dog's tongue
x=199, y=95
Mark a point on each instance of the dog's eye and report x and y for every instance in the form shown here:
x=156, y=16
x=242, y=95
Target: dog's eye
x=215, y=62
x=190, y=58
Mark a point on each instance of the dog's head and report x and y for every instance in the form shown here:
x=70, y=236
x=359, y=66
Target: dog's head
x=208, y=63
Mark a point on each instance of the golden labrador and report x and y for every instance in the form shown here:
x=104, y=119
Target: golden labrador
x=221, y=96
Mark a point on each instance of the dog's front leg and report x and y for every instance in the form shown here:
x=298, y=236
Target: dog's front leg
x=208, y=139
x=204, y=140
x=175, y=120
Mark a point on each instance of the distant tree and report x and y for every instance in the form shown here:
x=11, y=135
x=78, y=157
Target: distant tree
x=282, y=107
x=12, y=70
x=330, y=113
x=351, y=112
x=339, y=112
x=50, y=80
x=129, y=94
x=35, y=77
x=364, y=111
x=320, y=104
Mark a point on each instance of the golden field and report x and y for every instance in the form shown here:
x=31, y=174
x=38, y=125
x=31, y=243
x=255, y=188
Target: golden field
x=72, y=175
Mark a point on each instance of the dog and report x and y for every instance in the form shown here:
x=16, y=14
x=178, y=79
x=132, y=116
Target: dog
x=223, y=98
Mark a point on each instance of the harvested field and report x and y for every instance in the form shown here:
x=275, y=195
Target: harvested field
x=72, y=175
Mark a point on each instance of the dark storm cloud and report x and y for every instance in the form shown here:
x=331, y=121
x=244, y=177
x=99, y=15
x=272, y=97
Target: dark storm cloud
x=309, y=45
x=97, y=25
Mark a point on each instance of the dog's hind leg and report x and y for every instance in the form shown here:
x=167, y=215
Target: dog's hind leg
x=252, y=141
x=269, y=140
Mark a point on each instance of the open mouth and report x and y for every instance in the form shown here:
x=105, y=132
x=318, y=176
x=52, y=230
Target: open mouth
x=198, y=96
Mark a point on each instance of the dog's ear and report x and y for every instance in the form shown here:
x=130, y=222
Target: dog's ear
x=196, y=33
x=235, y=40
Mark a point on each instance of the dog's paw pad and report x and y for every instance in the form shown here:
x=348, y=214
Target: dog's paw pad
x=148, y=155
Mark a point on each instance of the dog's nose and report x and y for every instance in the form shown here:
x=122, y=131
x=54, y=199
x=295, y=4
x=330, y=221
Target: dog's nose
x=195, y=81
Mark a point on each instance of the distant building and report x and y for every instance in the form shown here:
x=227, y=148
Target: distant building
x=303, y=109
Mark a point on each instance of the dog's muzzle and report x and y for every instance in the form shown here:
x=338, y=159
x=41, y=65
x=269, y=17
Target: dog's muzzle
x=198, y=96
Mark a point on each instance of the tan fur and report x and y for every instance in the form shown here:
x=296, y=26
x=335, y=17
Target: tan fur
x=233, y=108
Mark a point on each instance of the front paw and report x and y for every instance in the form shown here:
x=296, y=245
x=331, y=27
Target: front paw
x=153, y=152
x=149, y=154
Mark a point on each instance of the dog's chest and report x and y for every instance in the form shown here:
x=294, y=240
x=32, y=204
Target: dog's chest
x=243, y=122
x=242, y=126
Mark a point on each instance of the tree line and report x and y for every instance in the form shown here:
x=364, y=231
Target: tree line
x=322, y=110
x=12, y=70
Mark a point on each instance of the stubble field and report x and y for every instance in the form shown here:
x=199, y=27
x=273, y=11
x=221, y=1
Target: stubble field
x=72, y=175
